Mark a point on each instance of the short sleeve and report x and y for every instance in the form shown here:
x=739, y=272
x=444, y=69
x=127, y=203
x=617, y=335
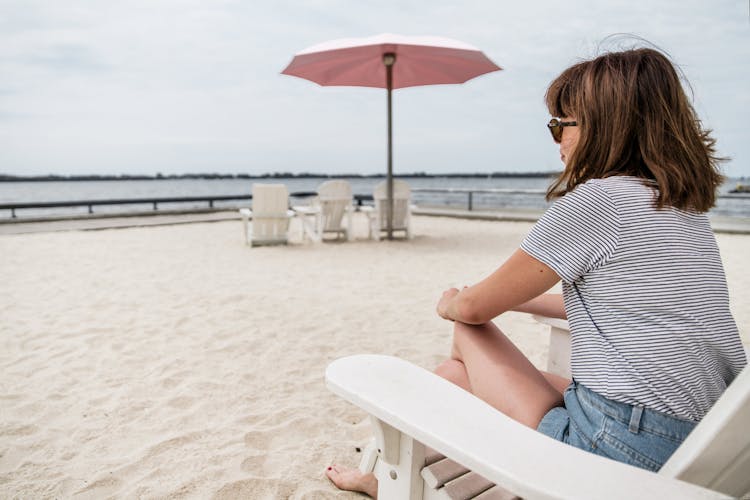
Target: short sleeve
x=577, y=234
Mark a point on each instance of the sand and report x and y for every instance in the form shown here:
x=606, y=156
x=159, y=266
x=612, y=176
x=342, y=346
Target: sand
x=175, y=362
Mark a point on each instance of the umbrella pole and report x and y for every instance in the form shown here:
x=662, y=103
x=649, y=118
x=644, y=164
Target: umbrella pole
x=389, y=60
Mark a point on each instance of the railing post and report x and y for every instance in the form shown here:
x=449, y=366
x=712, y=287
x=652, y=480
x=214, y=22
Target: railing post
x=155, y=205
x=471, y=200
x=13, y=212
x=91, y=208
x=210, y=203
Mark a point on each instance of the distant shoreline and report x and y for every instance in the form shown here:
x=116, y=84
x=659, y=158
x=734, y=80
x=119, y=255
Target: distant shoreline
x=275, y=175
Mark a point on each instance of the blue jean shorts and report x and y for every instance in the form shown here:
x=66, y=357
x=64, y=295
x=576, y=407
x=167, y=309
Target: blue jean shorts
x=630, y=434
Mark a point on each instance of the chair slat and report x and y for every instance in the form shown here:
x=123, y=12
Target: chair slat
x=441, y=472
x=431, y=456
x=467, y=486
x=497, y=493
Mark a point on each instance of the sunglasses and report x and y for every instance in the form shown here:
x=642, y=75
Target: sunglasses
x=555, y=127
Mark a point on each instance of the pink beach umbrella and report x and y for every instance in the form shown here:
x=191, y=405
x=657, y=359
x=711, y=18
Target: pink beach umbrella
x=391, y=62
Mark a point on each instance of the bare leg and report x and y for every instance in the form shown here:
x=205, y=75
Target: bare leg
x=558, y=382
x=352, y=479
x=486, y=363
x=498, y=373
x=455, y=371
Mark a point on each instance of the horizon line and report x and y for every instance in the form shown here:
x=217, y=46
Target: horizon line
x=268, y=175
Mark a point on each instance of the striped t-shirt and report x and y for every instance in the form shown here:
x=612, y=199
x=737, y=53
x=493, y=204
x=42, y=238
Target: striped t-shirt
x=645, y=295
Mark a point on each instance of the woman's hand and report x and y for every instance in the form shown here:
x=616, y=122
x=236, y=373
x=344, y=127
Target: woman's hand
x=517, y=281
x=444, y=303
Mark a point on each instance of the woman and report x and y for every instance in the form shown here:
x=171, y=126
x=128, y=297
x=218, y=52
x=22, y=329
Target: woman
x=653, y=341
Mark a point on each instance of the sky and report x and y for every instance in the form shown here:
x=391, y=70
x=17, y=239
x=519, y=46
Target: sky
x=192, y=86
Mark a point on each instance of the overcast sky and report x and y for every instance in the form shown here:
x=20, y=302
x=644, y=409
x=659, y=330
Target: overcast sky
x=186, y=86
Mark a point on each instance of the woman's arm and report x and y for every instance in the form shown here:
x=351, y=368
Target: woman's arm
x=519, y=280
x=548, y=304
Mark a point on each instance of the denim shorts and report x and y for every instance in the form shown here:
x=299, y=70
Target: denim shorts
x=630, y=434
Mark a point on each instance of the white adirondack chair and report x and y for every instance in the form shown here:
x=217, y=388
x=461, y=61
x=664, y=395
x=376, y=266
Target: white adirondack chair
x=402, y=208
x=268, y=221
x=412, y=409
x=328, y=210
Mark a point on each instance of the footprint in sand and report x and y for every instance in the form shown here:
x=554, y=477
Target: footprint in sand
x=175, y=379
x=181, y=402
x=261, y=489
x=101, y=488
x=18, y=430
x=258, y=440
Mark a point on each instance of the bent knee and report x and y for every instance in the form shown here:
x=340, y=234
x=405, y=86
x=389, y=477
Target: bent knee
x=449, y=368
x=467, y=335
x=454, y=371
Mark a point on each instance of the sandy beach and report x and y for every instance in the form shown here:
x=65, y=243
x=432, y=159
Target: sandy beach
x=176, y=362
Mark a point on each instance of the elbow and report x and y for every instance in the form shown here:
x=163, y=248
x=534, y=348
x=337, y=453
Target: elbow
x=470, y=311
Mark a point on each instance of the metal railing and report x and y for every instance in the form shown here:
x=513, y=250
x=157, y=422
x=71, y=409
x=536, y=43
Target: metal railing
x=132, y=201
x=210, y=200
x=154, y=202
x=470, y=192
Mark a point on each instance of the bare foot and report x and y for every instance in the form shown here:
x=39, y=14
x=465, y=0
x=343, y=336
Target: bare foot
x=352, y=479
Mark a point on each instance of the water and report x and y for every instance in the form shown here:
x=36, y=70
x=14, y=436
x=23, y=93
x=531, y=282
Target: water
x=30, y=192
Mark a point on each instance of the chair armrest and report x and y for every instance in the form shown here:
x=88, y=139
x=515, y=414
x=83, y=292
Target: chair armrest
x=306, y=210
x=562, y=324
x=469, y=431
x=558, y=362
x=246, y=212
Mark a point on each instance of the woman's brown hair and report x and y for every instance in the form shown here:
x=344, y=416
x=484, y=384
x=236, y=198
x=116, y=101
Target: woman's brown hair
x=635, y=119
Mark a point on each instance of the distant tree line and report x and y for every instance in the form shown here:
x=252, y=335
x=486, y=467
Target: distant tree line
x=274, y=175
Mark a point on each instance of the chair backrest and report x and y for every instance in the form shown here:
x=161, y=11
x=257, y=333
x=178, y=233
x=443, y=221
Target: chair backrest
x=270, y=200
x=401, y=202
x=334, y=198
x=716, y=454
x=270, y=218
x=335, y=190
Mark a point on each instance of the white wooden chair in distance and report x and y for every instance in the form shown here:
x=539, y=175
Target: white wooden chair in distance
x=402, y=208
x=330, y=208
x=268, y=221
x=414, y=411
